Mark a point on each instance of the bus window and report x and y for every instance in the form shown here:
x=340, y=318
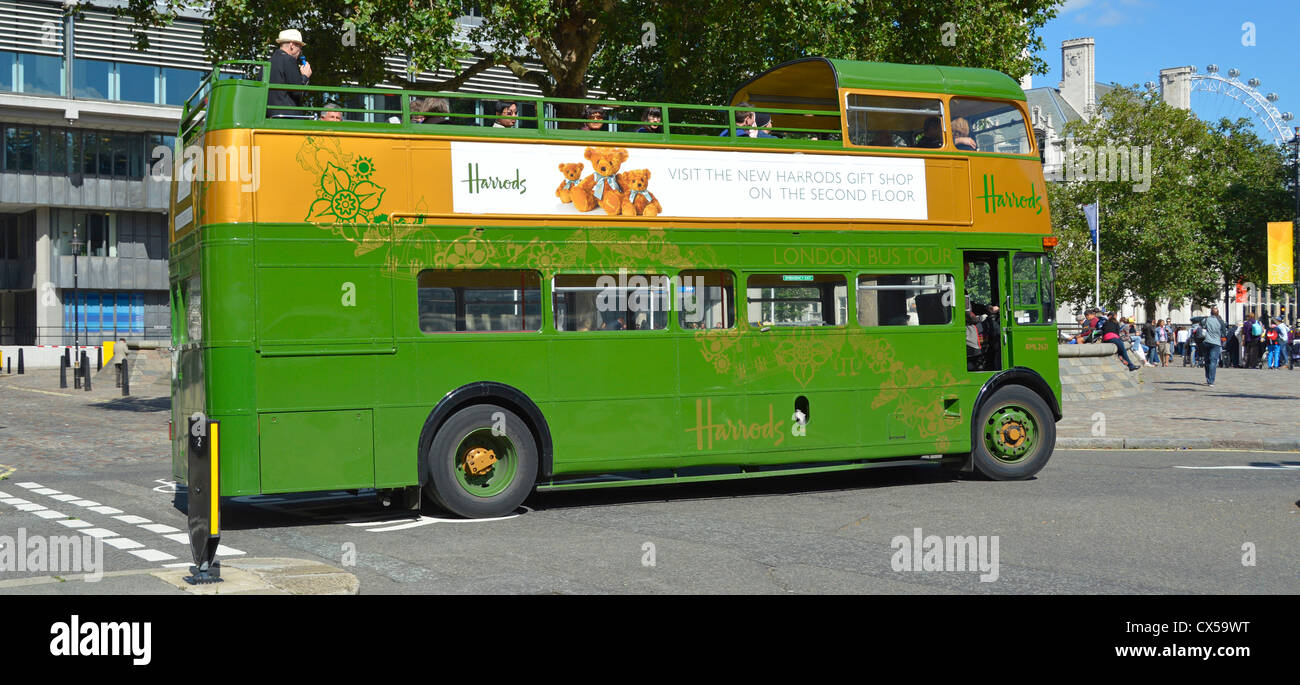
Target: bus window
x=886, y=121
x=1031, y=279
x=602, y=302
x=905, y=300
x=993, y=126
x=797, y=300
x=465, y=300
x=707, y=300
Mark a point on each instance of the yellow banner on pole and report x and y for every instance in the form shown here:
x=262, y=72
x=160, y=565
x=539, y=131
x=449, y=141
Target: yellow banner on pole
x=1280, y=267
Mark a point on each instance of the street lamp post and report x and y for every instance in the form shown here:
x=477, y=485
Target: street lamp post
x=76, y=304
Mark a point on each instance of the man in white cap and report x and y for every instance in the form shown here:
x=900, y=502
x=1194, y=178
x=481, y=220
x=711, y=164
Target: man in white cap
x=288, y=66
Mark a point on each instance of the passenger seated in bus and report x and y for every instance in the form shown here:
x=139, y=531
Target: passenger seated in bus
x=332, y=112
x=505, y=112
x=743, y=118
x=763, y=121
x=653, y=118
x=931, y=134
x=961, y=135
x=883, y=139
x=423, y=110
x=595, y=117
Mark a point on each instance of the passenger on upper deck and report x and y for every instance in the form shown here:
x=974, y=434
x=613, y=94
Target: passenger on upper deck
x=426, y=111
x=961, y=135
x=505, y=112
x=931, y=135
x=763, y=121
x=332, y=112
x=595, y=119
x=653, y=119
x=288, y=66
x=744, y=117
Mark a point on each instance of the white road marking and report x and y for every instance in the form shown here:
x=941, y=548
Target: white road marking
x=167, y=487
x=1269, y=467
x=75, y=523
x=30, y=507
x=66, y=498
x=5, y=495
x=98, y=533
x=224, y=551
x=427, y=520
x=152, y=555
x=123, y=543
x=182, y=538
x=105, y=510
x=132, y=519
x=14, y=500
x=183, y=564
x=50, y=514
x=30, y=485
x=159, y=528
x=85, y=503
x=46, y=491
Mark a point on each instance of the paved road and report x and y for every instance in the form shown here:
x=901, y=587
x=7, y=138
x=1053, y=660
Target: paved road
x=1092, y=522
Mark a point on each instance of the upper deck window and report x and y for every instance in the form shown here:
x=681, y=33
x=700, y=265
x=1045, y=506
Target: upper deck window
x=989, y=126
x=888, y=121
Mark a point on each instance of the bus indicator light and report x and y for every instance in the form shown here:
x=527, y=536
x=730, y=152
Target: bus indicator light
x=1049, y=242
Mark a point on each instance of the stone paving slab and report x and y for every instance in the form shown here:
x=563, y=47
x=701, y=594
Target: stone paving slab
x=1245, y=409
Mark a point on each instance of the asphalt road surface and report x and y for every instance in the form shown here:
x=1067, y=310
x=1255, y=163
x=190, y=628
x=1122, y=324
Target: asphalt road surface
x=1093, y=521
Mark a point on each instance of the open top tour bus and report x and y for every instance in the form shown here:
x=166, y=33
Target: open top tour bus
x=479, y=305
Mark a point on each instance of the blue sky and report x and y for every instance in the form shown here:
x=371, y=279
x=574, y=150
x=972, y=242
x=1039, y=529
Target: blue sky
x=1137, y=38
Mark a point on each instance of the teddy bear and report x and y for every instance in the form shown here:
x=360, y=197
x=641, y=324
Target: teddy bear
x=638, y=201
x=572, y=172
x=601, y=187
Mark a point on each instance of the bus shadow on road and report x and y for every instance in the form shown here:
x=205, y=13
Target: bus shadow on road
x=843, y=482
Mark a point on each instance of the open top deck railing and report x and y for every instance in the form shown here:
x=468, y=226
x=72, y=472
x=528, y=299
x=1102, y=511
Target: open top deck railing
x=384, y=109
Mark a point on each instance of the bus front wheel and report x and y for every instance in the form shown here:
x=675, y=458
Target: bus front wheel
x=1014, y=435
x=482, y=462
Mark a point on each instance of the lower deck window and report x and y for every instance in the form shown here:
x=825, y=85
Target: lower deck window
x=796, y=300
x=905, y=299
x=462, y=300
x=607, y=302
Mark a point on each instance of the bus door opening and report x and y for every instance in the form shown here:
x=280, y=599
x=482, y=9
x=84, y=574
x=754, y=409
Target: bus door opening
x=985, y=292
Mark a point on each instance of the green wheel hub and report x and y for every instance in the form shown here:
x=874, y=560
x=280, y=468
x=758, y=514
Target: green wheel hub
x=499, y=475
x=1010, y=433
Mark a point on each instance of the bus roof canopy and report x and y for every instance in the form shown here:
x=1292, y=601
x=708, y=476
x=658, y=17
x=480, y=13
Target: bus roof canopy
x=813, y=82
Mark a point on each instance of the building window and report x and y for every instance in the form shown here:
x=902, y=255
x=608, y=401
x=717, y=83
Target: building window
x=179, y=84
x=7, y=68
x=905, y=299
x=90, y=79
x=19, y=149
x=137, y=82
x=41, y=74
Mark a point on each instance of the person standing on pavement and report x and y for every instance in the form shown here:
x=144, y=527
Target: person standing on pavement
x=1214, y=329
x=1149, y=339
x=1162, y=342
x=1250, y=341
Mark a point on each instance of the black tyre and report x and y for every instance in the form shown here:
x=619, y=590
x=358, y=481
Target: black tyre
x=1015, y=434
x=482, y=462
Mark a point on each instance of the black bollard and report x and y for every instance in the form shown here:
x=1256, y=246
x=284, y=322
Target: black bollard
x=10, y=364
x=63, y=372
x=66, y=359
x=20, y=361
x=76, y=372
x=85, y=369
x=126, y=378
x=99, y=364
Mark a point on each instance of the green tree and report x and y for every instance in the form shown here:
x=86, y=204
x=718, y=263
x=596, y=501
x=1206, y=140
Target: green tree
x=1211, y=190
x=644, y=49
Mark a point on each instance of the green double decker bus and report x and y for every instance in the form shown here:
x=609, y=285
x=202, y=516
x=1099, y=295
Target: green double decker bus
x=475, y=306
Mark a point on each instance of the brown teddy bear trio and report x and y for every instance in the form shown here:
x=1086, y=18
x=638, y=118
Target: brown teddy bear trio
x=624, y=193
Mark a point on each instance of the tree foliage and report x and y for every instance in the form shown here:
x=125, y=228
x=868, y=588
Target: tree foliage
x=1212, y=189
x=639, y=49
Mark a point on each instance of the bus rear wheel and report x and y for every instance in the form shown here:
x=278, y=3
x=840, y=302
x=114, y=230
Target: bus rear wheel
x=1014, y=436
x=482, y=462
